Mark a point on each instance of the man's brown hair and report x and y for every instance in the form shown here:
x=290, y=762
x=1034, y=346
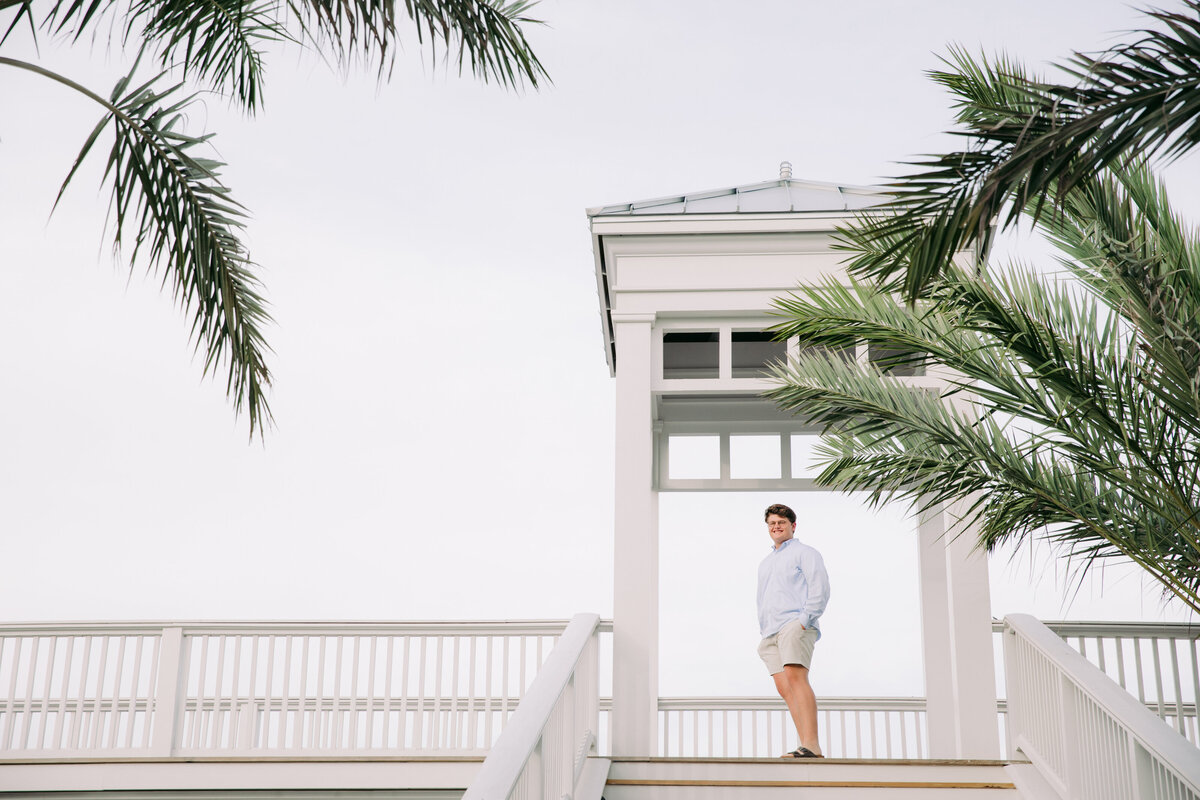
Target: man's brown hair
x=780, y=510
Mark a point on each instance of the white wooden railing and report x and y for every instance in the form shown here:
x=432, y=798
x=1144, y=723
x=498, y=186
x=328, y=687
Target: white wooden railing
x=1155, y=662
x=105, y=689
x=544, y=748
x=1090, y=739
x=296, y=688
x=760, y=727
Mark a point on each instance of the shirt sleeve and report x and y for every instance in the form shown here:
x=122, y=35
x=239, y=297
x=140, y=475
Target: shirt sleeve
x=813, y=567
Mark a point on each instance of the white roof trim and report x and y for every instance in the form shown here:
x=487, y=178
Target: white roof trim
x=774, y=196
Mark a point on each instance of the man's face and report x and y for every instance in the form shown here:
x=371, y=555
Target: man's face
x=780, y=529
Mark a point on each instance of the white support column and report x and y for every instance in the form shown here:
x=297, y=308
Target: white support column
x=635, y=558
x=935, y=635
x=974, y=663
x=956, y=626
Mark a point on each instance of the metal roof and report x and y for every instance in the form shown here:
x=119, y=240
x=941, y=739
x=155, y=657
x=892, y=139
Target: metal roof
x=783, y=195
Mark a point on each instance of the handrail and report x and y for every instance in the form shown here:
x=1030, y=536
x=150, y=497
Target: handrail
x=1156, y=662
x=549, y=627
x=1087, y=736
x=1094, y=628
x=542, y=751
x=764, y=702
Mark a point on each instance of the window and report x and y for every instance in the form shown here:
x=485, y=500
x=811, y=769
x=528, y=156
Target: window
x=896, y=362
x=845, y=350
x=691, y=354
x=693, y=457
x=754, y=457
x=754, y=351
x=803, y=448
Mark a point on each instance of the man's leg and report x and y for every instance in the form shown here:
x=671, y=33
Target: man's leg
x=795, y=690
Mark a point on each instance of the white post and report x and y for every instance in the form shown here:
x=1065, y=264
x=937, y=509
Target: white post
x=974, y=664
x=956, y=626
x=168, y=691
x=935, y=634
x=635, y=557
x=1014, y=722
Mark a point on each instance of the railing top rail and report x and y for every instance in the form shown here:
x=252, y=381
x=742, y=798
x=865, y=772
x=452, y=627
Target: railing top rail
x=355, y=627
x=502, y=769
x=1123, y=629
x=1169, y=747
x=750, y=703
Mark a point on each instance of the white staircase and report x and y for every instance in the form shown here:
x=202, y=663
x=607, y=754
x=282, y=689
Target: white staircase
x=769, y=779
x=1078, y=735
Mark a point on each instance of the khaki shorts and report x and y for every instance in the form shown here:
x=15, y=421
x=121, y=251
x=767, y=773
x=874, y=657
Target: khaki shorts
x=792, y=645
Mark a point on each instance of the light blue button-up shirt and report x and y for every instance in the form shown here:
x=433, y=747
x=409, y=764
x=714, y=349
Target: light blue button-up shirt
x=792, y=584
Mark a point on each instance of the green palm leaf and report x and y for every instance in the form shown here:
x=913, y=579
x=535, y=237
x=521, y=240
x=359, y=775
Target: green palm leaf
x=168, y=205
x=185, y=224
x=170, y=209
x=481, y=35
x=1046, y=428
x=1031, y=141
x=1071, y=402
x=219, y=40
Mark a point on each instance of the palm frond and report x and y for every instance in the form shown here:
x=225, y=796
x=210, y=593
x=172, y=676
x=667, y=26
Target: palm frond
x=889, y=439
x=1031, y=141
x=168, y=205
x=1125, y=242
x=185, y=225
x=1067, y=436
x=219, y=40
x=73, y=17
x=24, y=12
x=482, y=35
x=1071, y=406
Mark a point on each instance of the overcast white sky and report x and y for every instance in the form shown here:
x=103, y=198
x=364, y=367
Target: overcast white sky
x=445, y=415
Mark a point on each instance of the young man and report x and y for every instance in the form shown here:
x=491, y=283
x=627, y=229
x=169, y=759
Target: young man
x=792, y=592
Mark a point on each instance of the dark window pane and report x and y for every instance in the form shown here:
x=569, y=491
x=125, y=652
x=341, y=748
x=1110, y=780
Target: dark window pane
x=691, y=354
x=893, y=361
x=843, y=350
x=753, y=351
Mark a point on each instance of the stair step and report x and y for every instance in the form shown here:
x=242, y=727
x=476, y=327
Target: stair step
x=764, y=779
